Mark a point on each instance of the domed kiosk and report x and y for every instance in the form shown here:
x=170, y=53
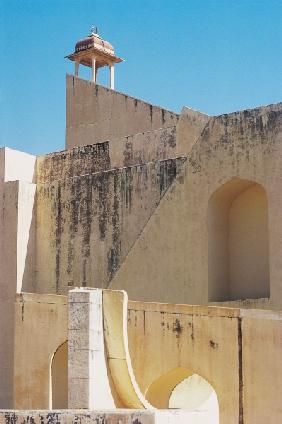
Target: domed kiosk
x=95, y=53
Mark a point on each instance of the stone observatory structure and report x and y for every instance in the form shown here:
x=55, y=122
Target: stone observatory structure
x=141, y=268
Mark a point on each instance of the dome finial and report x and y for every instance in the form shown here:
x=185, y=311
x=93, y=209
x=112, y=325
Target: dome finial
x=94, y=30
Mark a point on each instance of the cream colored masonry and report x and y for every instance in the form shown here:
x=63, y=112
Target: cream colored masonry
x=173, y=208
x=132, y=354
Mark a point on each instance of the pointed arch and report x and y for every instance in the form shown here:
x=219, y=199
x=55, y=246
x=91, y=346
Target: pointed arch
x=159, y=391
x=183, y=389
x=196, y=395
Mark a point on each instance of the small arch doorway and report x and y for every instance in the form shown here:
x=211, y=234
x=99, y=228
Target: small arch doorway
x=196, y=395
x=59, y=378
x=181, y=389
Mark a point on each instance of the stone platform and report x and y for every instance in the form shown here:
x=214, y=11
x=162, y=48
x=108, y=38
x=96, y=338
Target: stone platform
x=122, y=416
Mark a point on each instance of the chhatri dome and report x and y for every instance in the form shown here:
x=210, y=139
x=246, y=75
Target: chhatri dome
x=94, y=40
x=95, y=53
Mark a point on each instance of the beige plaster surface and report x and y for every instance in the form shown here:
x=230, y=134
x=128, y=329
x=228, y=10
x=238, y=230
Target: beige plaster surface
x=262, y=345
x=115, y=217
x=189, y=127
x=164, y=338
x=238, y=262
x=128, y=208
x=59, y=378
x=8, y=284
x=237, y=351
x=114, y=306
x=16, y=202
x=87, y=224
x=136, y=149
x=261, y=303
x=40, y=328
x=95, y=113
x=26, y=235
x=242, y=145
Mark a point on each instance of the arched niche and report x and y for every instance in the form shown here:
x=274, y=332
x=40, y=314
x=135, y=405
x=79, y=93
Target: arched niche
x=159, y=391
x=59, y=378
x=238, y=246
x=182, y=389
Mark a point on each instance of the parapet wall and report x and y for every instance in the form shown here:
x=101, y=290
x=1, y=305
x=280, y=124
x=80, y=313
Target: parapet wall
x=121, y=152
x=96, y=114
x=74, y=162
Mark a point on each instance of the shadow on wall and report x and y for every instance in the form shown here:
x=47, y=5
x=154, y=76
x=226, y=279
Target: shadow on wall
x=238, y=242
x=59, y=378
x=181, y=389
x=26, y=282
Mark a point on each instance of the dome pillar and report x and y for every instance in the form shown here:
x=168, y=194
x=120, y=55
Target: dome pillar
x=112, y=76
x=76, y=68
x=94, y=73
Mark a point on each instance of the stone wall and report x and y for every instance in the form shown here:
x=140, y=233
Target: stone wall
x=245, y=145
x=16, y=202
x=144, y=147
x=74, y=162
x=128, y=416
x=137, y=149
x=40, y=329
x=96, y=113
x=237, y=351
x=197, y=339
x=87, y=224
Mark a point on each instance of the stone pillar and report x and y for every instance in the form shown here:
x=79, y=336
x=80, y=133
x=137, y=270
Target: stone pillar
x=112, y=77
x=93, y=69
x=76, y=68
x=88, y=384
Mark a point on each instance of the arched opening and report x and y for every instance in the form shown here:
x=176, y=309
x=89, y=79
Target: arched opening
x=196, y=395
x=182, y=389
x=59, y=378
x=159, y=391
x=238, y=258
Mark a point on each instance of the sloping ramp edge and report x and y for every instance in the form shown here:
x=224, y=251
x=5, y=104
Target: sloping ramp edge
x=115, y=303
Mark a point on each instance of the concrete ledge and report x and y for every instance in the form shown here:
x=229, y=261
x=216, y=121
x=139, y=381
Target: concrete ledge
x=120, y=416
x=41, y=298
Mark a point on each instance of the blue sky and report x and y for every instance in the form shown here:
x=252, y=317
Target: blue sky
x=214, y=56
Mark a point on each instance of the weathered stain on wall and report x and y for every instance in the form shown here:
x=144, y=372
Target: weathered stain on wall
x=245, y=145
x=144, y=147
x=217, y=344
x=74, y=162
x=120, y=152
x=90, y=222
x=225, y=346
